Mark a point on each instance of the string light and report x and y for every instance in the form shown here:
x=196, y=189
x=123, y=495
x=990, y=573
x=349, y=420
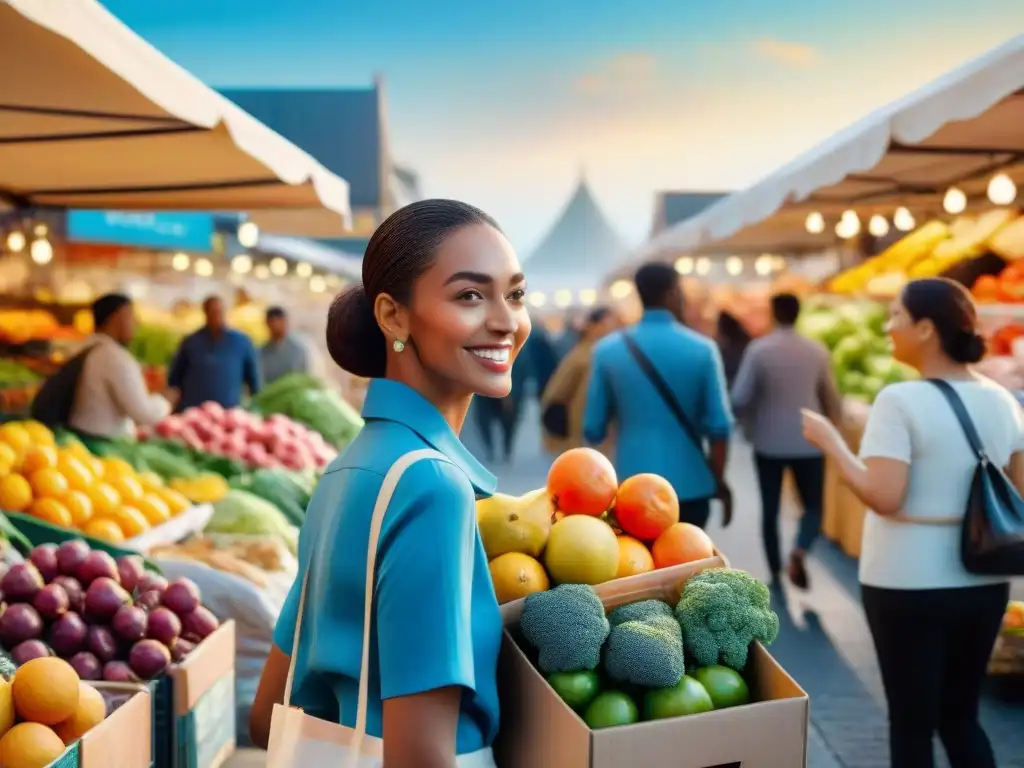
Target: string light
x=684, y=265
x=620, y=289
x=278, y=267
x=588, y=297
x=204, y=268
x=180, y=262
x=303, y=270
x=1002, y=190
x=261, y=271
x=903, y=220
x=41, y=251
x=537, y=299
x=815, y=223
x=734, y=265
x=703, y=266
x=16, y=241
x=878, y=226
x=242, y=264
x=248, y=234
x=955, y=201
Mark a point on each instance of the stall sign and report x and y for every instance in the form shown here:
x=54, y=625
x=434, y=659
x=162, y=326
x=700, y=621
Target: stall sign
x=182, y=231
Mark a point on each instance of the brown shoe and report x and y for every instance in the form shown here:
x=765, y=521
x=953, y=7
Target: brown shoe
x=797, y=571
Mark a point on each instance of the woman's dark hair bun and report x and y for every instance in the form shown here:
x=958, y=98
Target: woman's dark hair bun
x=399, y=251
x=949, y=307
x=354, y=340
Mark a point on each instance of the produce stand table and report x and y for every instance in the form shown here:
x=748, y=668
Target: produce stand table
x=843, y=514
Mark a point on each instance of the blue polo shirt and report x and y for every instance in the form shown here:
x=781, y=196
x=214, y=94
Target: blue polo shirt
x=436, y=621
x=647, y=436
x=208, y=367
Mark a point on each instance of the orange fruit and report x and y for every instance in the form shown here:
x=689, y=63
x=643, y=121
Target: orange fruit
x=516, y=575
x=154, y=509
x=634, y=557
x=48, y=483
x=16, y=436
x=114, y=466
x=151, y=481
x=681, y=543
x=40, y=433
x=8, y=457
x=130, y=520
x=175, y=501
x=645, y=505
x=128, y=488
x=95, y=465
x=104, y=529
x=79, y=505
x=78, y=475
x=582, y=482
x=104, y=499
x=91, y=711
x=50, y=510
x=30, y=745
x=45, y=692
x=15, y=493
x=39, y=457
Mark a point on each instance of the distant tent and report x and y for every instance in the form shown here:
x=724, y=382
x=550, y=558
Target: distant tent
x=578, y=251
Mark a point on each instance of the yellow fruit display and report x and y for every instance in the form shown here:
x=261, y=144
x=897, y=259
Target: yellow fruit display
x=15, y=493
x=48, y=483
x=79, y=505
x=45, y=690
x=7, y=715
x=30, y=745
x=38, y=457
x=515, y=523
x=150, y=481
x=51, y=511
x=176, y=502
x=104, y=529
x=16, y=436
x=154, y=509
x=581, y=550
x=8, y=458
x=128, y=488
x=104, y=499
x=40, y=433
x=91, y=711
x=114, y=467
x=516, y=575
x=130, y=520
x=75, y=471
x=204, y=488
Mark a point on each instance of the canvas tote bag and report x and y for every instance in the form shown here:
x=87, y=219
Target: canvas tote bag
x=298, y=740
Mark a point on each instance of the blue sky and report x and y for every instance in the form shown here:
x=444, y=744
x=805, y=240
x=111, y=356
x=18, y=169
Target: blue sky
x=502, y=103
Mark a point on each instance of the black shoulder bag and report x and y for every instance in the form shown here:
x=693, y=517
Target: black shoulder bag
x=722, y=492
x=53, y=402
x=992, y=533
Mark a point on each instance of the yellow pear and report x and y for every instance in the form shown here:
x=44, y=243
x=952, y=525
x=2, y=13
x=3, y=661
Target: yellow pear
x=515, y=523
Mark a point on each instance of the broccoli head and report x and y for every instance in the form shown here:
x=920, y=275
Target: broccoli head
x=721, y=611
x=641, y=611
x=567, y=626
x=648, y=653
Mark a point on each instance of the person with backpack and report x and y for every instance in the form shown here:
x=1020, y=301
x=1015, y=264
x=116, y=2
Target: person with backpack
x=110, y=397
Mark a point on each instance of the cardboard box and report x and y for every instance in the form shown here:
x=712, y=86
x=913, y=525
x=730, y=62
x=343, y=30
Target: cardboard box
x=538, y=730
x=123, y=740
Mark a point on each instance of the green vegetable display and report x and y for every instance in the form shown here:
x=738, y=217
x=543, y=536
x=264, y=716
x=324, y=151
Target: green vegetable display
x=722, y=611
x=280, y=488
x=241, y=512
x=647, y=652
x=154, y=345
x=14, y=374
x=642, y=611
x=567, y=626
x=303, y=398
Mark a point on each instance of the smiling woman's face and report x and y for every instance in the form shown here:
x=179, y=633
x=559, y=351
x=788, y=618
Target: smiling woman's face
x=468, y=316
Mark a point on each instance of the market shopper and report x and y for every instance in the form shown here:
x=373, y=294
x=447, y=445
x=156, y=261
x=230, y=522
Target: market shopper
x=440, y=316
x=283, y=353
x=663, y=386
x=111, y=396
x=780, y=375
x=933, y=622
x=216, y=363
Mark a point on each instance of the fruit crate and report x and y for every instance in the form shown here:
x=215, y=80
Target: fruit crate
x=1007, y=655
x=126, y=732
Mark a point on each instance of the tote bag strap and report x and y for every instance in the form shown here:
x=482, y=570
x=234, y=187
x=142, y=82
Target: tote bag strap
x=380, y=508
x=966, y=423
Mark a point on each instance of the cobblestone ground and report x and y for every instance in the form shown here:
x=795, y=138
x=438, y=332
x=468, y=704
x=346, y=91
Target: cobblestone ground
x=824, y=641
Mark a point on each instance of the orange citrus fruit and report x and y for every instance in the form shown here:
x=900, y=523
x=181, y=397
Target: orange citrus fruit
x=681, y=543
x=154, y=509
x=103, y=528
x=8, y=456
x=16, y=436
x=39, y=457
x=128, y=488
x=104, y=499
x=130, y=520
x=30, y=744
x=516, y=575
x=48, y=482
x=176, y=502
x=51, y=511
x=45, y=692
x=582, y=482
x=40, y=433
x=634, y=557
x=151, y=481
x=95, y=465
x=79, y=505
x=78, y=475
x=15, y=493
x=645, y=505
x=114, y=466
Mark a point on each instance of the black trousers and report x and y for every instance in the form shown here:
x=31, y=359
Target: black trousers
x=933, y=648
x=695, y=511
x=503, y=413
x=809, y=475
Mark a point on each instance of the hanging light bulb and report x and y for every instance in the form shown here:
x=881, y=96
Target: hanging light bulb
x=684, y=265
x=815, y=223
x=588, y=297
x=763, y=265
x=620, y=289
x=303, y=270
x=278, y=267
x=563, y=298
x=537, y=299
x=204, y=267
x=41, y=251
x=180, y=262
x=703, y=266
x=16, y=241
x=878, y=225
x=40, y=230
x=248, y=234
x=261, y=271
x=955, y=201
x=903, y=220
x=734, y=265
x=1002, y=190
x=317, y=284
x=242, y=264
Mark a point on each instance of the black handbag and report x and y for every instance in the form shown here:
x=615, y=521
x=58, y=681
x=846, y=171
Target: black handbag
x=722, y=491
x=992, y=532
x=555, y=419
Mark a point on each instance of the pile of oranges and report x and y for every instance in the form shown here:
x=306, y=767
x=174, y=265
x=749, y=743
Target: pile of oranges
x=69, y=487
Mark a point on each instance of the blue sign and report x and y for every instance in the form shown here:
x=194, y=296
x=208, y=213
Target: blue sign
x=181, y=231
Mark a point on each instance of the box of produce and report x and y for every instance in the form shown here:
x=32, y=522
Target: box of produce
x=635, y=674
x=51, y=718
x=112, y=620
x=584, y=527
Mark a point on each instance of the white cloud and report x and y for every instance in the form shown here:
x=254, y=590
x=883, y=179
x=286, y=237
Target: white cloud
x=624, y=73
x=792, y=54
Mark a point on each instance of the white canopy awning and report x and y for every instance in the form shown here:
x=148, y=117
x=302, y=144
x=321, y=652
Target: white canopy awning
x=92, y=116
x=959, y=129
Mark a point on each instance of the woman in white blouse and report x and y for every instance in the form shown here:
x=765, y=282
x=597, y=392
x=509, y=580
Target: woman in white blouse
x=933, y=623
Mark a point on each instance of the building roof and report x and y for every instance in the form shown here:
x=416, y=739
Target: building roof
x=579, y=248
x=340, y=127
x=671, y=208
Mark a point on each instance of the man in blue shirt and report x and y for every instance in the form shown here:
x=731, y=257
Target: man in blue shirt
x=649, y=438
x=214, y=363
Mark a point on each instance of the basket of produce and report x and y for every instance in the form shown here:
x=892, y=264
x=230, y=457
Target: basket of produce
x=1008, y=653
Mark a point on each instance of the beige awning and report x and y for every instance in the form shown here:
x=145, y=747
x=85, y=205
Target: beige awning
x=92, y=116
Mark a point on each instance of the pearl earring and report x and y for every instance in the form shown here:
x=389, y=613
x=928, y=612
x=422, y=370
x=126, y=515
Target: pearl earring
x=398, y=345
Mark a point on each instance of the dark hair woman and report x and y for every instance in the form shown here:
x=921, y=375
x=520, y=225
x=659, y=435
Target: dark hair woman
x=440, y=316
x=732, y=339
x=932, y=621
